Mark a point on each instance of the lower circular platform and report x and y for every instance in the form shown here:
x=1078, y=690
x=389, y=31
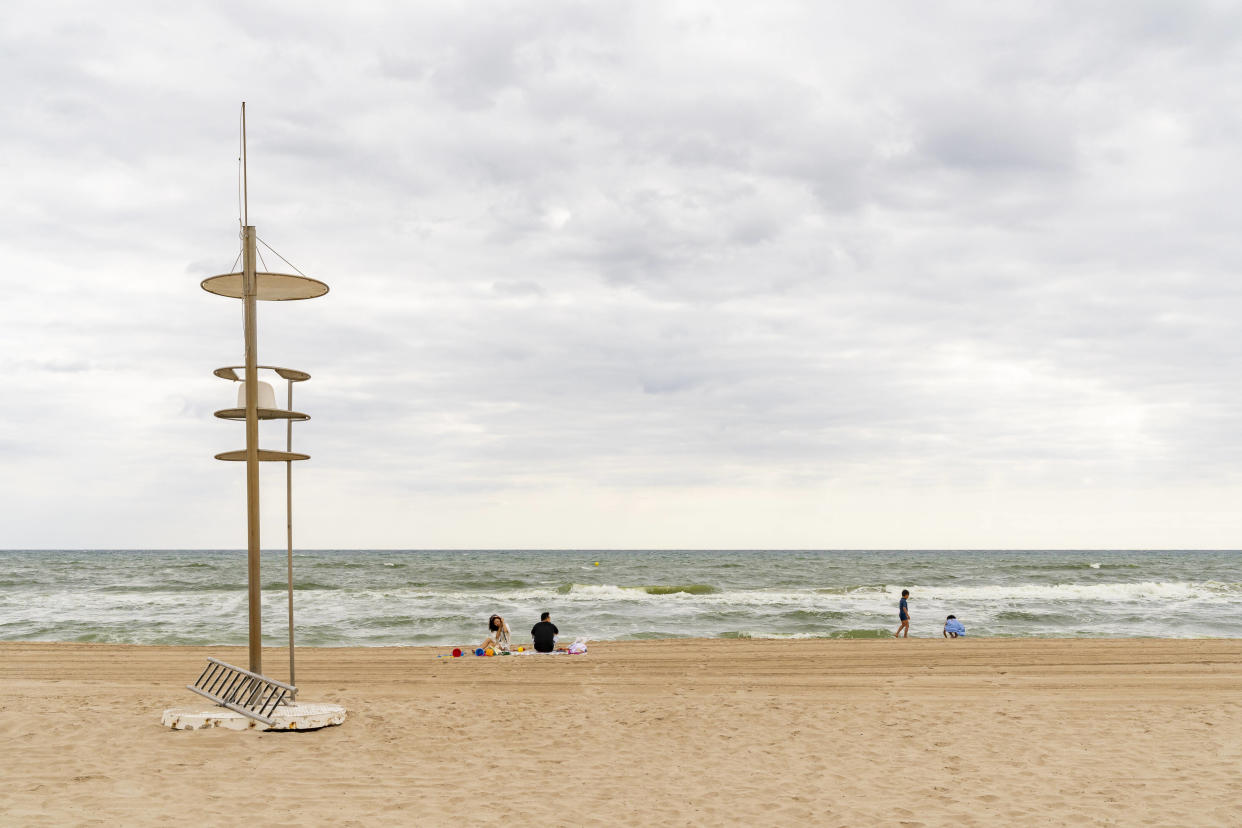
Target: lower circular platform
x=265, y=455
x=296, y=716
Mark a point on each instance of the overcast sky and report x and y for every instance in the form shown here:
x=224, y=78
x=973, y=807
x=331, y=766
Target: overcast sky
x=653, y=274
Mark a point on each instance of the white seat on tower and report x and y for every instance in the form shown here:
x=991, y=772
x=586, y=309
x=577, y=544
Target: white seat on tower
x=267, y=395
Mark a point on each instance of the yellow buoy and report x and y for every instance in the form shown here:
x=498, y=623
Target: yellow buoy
x=597, y=563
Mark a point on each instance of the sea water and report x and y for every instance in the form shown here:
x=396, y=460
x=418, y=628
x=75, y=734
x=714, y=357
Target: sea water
x=371, y=597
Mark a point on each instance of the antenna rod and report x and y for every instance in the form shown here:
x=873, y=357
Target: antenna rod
x=245, y=179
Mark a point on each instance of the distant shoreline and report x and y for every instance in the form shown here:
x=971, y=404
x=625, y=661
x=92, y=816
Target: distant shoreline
x=610, y=644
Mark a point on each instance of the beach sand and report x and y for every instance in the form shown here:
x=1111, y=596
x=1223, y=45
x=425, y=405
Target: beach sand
x=675, y=732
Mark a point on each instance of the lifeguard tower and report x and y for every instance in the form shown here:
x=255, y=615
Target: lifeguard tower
x=246, y=698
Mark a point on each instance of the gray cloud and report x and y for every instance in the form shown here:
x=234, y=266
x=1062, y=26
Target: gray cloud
x=595, y=261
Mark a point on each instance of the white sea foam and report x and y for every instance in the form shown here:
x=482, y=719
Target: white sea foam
x=446, y=597
x=1211, y=591
x=1111, y=592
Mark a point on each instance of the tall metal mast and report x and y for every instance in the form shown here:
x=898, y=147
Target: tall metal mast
x=252, y=285
x=254, y=579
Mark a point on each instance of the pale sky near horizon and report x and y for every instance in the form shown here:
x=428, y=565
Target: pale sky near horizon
x=631, y=274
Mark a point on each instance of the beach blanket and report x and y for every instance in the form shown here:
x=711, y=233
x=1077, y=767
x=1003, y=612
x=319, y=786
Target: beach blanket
x=579, y=647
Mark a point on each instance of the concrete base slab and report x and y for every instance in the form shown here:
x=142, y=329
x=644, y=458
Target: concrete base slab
x=296, y=716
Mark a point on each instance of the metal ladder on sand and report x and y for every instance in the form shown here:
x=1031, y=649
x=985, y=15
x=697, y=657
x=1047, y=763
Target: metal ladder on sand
x=242, y=691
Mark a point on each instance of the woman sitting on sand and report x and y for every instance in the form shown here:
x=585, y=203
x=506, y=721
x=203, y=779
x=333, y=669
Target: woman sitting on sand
x=497, y=634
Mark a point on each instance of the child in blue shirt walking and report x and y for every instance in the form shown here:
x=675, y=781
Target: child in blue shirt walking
x=903, y=614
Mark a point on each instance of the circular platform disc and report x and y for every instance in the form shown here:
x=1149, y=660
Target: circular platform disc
x=272, y=287
x=296, y=716
x=265, y=456
x=264, y=414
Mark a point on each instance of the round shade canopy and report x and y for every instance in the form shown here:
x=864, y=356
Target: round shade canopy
x=272, y=287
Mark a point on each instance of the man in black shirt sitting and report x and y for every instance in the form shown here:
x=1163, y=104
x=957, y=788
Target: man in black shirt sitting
x=544, y=633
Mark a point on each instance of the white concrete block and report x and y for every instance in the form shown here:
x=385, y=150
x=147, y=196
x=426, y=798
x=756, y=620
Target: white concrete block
x=296, y=716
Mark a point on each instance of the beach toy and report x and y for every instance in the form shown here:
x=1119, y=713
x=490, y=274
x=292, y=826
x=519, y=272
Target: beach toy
x=490, y=652
x=521, y=649
x=479, y=651
x=456, y=652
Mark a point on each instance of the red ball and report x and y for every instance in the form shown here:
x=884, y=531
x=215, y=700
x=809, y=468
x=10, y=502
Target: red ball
x=456, y=653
